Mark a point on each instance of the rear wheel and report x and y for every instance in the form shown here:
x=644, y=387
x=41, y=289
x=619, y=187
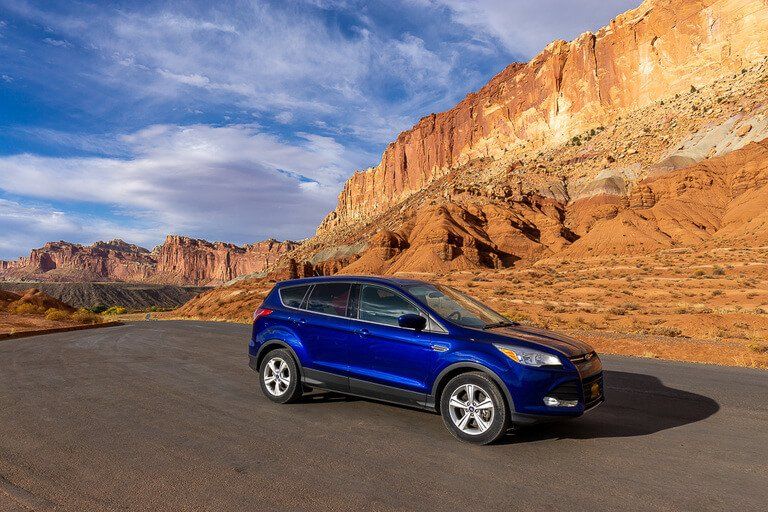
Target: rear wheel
x=473, y=408
x=279, y=377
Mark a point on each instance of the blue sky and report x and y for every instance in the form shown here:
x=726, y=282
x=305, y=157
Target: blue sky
x=233, y=121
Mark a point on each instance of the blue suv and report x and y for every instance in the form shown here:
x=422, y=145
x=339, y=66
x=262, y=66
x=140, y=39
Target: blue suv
x=423, y=345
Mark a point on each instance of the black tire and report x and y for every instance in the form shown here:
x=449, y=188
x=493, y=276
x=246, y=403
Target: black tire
x=495, y=421
x=278, y=392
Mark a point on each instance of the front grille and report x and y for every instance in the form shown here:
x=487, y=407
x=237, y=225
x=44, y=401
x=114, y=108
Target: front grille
x=567, y=391
x=592, y=389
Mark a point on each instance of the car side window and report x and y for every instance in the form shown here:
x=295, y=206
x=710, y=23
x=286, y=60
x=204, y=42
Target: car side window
x=383, y=306
x=329, y=298
x=293, y=296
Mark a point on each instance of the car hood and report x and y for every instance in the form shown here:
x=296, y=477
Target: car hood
x=565, y=344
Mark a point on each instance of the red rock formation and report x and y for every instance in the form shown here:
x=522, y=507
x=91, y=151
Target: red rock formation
x=115, y=260
x=655, y=51
x=180, y=260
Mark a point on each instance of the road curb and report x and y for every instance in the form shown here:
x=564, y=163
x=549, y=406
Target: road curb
x=27, y=334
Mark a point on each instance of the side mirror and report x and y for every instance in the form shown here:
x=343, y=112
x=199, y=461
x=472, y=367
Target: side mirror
x=411, y=321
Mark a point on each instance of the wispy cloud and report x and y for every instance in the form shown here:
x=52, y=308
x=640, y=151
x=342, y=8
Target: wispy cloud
x=24, y=226
x=57, y=42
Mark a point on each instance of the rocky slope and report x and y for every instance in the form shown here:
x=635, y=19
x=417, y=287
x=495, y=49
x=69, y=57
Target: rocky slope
x=179, y=260
x=662, y=48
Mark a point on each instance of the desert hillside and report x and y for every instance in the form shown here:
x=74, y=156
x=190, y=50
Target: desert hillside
x=34, y=310
x=625, y=171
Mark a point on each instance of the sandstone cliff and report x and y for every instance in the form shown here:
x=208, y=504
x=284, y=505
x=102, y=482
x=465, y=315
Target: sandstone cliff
x=660, y=49
x=179, y=260
x=188, y=260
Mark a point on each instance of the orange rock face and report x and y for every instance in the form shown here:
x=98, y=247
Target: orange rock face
x=115, y=260
x=188, y=260
x=180, y=260
x=662, y=48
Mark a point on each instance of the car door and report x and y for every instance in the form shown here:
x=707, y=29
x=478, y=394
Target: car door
x=385, y=360
x=326, y=330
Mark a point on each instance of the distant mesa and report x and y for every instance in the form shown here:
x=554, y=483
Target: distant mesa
x=179, y=260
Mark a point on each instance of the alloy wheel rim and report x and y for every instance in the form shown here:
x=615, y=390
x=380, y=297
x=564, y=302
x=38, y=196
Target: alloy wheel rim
x=277, y=376
x=471, y=409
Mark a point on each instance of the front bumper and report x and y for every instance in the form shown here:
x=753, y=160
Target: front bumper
x=529, y=386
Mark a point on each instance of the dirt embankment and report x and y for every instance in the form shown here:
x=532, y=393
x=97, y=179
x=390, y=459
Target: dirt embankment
x=35, y=311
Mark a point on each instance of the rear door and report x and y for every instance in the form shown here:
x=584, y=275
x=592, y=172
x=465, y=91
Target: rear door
x=326, y=331
x=385, y=360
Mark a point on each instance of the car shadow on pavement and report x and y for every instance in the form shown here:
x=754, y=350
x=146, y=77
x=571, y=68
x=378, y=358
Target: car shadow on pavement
x=636, y=405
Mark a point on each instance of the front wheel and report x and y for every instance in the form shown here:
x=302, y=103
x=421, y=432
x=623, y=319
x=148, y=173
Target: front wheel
x=279, y=377
x=473, y=408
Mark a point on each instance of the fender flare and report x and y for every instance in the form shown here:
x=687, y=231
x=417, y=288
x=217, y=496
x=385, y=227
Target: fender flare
x=273, y=343
x=471, y=365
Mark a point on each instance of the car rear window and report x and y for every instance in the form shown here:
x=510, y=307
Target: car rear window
x=292, y=296
x=329, y=298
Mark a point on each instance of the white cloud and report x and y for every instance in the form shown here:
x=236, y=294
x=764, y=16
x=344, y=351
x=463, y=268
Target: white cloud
x=57, y=42
x=26, y=226
x=284, y=117
x=231, y=182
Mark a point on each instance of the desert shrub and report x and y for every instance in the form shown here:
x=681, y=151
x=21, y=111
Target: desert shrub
x=667, y=331
x=25, y=308
x=83, y=316
x=98, y=309
x=517, y=317
x=718, y=271
x=115, y=310
x=56, y=315
x=758, y=348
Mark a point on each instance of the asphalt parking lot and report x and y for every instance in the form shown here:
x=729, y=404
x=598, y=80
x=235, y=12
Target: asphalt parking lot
x=168, y=416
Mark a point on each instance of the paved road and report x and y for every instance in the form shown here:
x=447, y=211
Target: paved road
x=168, y=416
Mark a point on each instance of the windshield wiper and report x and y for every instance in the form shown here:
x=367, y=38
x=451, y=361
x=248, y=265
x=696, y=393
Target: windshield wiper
x=499, y=324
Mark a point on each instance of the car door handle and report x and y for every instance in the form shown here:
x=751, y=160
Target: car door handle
x=362, y=332
x=439, y=348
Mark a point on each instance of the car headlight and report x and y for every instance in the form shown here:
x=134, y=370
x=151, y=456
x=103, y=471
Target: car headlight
x=528, y=356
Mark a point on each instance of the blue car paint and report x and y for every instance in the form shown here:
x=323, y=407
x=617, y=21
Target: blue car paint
x=402, y=365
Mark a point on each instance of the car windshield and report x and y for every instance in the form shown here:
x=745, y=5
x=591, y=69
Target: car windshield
x=457, y=307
